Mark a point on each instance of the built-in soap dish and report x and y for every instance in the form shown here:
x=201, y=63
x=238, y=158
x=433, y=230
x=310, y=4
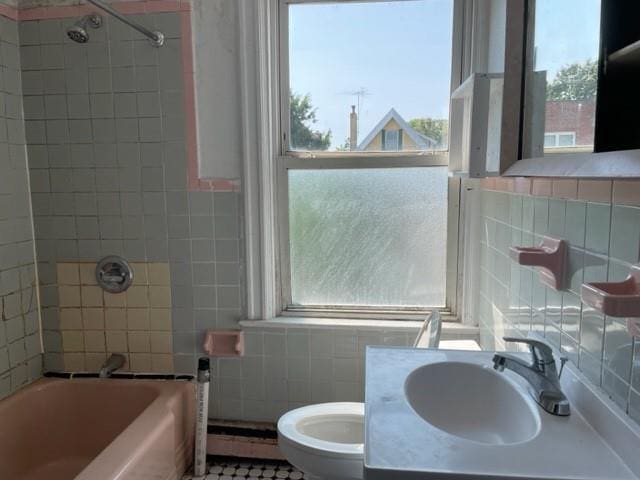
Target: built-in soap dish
x=550, y=256
x=617, y=299
x=224, y=343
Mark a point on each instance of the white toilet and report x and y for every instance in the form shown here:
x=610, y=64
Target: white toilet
x=326, y=441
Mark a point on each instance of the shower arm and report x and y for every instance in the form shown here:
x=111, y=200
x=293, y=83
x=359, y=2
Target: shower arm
x=157, y=38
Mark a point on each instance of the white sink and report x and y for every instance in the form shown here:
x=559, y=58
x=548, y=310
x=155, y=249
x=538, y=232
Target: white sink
x=447, y=415
x=479, y=404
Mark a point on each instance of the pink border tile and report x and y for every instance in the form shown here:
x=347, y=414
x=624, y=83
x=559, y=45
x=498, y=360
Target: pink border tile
x=191, y=130
x=564, y=188
x=505, y=184
x=541, y=187
x=595, y=190
x=8, y=11
x=626, y=192
x=489, y=183
x=522, y=185
x=142, y=6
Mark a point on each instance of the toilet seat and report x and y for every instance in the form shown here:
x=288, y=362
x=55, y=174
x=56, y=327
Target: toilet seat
x=330, y=429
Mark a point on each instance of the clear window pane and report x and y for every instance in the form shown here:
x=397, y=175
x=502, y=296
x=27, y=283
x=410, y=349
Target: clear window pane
x=563, y=75
x=549, y=140
x=566, y=140
x=368, y=237
x=356, y=69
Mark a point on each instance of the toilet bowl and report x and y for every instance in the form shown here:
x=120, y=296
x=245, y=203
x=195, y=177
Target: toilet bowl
x=325, y=441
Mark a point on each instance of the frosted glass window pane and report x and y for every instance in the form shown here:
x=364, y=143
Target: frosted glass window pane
x=368, y=237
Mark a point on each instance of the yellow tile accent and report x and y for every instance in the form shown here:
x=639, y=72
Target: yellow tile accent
x=69, y=296
x=136, y=323
x=68, y=274
x=161, y=363
x=139, y=342
x=159, y=274
x=70, y=319
x=72, y=341
x=140, y=362
x=161, y=342
x=115, y=300
x=91, y=296
x=116, y=342
x=93, y=318
x=94, y=341
x=88, y=274
x=160, y=319
x=140, y=276
x=138, y=318
x=137, y=297
x=160, y=296
x=115, y=319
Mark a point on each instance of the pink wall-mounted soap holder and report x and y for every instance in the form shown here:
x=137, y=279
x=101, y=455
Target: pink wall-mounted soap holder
x=617, y=299
x=550, y=256
x=224, y=343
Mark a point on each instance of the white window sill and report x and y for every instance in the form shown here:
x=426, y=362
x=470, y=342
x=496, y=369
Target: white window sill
x=449, y=329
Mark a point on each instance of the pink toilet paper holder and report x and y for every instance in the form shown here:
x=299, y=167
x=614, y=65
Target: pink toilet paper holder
x=224, y=343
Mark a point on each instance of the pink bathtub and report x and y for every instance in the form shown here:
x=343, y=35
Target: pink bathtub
x=97, y=429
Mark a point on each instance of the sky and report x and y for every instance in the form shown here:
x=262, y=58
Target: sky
x=567, y=31
x=398, y=52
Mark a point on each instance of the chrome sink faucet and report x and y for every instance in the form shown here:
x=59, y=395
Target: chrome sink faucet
x=542, y=374
x=113, y=363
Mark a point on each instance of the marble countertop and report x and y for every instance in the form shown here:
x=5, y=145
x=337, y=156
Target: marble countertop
x=398, y=441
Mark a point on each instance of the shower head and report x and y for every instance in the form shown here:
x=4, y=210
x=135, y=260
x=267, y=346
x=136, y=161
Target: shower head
x=78, y=31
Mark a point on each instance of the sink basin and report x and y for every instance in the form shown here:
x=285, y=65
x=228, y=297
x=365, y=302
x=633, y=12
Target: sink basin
x=473, y=402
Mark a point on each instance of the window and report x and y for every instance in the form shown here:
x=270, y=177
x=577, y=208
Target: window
x=391, y=140
x=356, y=69
x=559, y=139
x=364, y=188
x=562, y=76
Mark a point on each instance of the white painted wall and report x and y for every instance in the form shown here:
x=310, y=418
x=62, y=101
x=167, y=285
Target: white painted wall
x=218, y=102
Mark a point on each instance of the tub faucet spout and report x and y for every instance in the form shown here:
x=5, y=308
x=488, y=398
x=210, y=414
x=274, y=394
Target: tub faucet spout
x=113, y=363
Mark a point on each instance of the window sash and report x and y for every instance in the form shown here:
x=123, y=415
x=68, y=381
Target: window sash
x=292, y=160
x=288, y=162
x=283, y=56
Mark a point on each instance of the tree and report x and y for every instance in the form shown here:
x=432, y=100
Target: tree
x=303, y=116
x=345, y=147
x=436, y=129
x=577, y=81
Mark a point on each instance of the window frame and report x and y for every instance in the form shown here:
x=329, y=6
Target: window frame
x=287, y=159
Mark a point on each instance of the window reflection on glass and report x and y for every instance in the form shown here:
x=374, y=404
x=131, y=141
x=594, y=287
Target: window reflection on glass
x=562, y=77
x=368, y=237
x=370, y=76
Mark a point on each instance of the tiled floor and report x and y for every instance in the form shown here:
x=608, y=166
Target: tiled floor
x=225, y=468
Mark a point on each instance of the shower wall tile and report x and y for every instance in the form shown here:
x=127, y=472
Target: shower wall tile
x=20, y=344
x=604, y=241
x=94, y=324
x=105, y=127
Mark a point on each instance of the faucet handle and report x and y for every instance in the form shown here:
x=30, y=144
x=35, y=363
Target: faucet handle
x=541, y=352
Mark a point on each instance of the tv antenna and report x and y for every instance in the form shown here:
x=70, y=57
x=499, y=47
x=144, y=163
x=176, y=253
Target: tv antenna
x=360, y=95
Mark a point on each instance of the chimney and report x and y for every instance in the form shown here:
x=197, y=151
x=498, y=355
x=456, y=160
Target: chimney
x=353, y=132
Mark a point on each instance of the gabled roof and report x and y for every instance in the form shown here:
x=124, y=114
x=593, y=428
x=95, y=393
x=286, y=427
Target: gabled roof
x=418, y=138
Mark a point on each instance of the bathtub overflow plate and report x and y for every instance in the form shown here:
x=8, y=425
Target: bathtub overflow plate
x=114, y=274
